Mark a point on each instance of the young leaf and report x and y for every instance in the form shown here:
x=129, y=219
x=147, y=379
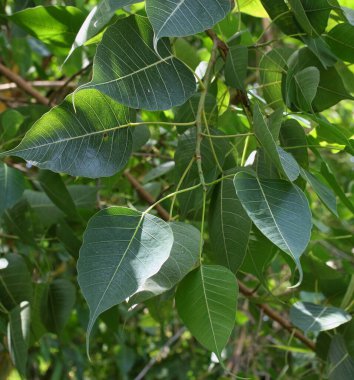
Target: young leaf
x=15, y=281
x=324, y=192
x=229, y=227
x=18, y=330
x=281, y=159
x=206, y=302
x=122, y=248
x=12, y=186
x=310, y=317
x=57, y=304
x=279, y=209
x=177, y=18
x=94, y=141
x=183, y=256
x=54, y=25
x=236, y=66
x=97, y=20
x=127, y=69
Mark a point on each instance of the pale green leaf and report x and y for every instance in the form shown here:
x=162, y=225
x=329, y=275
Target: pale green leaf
x=122, y=248
x=93, y=141
x=12, y=186
x=127, y=68
x=229, y=227
x=177, y=18
x=183, y=256
x=310, y=317
x=206, y=302
x=279, y=209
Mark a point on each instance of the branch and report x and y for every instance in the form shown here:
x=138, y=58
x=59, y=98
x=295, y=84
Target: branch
x=25, y=86
x=275, y=316
x=36, y=83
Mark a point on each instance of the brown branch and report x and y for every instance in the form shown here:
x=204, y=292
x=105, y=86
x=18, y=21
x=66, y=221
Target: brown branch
x=36, y=83
x=275, y=316
x=146, y=196
x=23, y=85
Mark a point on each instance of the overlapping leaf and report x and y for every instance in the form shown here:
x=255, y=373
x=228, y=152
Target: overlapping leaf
x=93, y=141
x=183, y=256
x=279, y=209
x=310, y=317
x=175, y=18
x=236, y=66
x=127, y=68
x=122, y=248
x=206, y=301
x=229, y=227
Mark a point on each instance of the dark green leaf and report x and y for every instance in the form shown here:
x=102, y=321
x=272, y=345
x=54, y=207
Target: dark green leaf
x=279, y=209
x=206, y=302
x=341, y=41
x=127, y=69
x=342, y=364
x=236, y=66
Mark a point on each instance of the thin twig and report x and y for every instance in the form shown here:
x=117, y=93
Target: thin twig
x=35, y=83
x=23, y=85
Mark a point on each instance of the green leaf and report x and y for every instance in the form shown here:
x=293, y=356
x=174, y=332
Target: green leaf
x=15, y=281
x=330, y=90
x=68, y=238
x=229, y=227
x=310, y=317
x=206, y=302
x=341, y=41
x=271, y=67
x=279, y=209
x=97, y=19
x=57, y=304
x=324, y=192
x=53, y=25
x=183, y=256
x=12, y=186
x=54, y=187
x=253, y=8
x=159, y=171
x=93, y=141
x=281, y=159
x=37, y=327
x=127, y=69
x=122, y=248
x=18, y=330
x=307, y=81
x=342, y=364
x=292, y=135
x=176, y=18
x=236, y=66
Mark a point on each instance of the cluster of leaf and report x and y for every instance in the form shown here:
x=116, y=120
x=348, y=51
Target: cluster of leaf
x=239, y=153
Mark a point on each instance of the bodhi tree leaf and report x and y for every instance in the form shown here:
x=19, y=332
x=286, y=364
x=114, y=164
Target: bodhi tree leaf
x=94, y=141
x=323, y=191
x=341, y=41
x=18, y=330
x=183, y=256
x=206, y=302
x=342, y=364
x=281, y=159
x=12, y=186
x=54, y=25
x=15, y=281
x=121, y=249
x=127, y=69
x=177, y=18
x=229, y=227
x=279, y=209
x=97, y=19
x=57, y=304
x=306, y=82
x=310, y=317
x=236, y=66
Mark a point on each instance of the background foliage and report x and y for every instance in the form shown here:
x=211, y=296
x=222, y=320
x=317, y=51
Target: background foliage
x=176, y=189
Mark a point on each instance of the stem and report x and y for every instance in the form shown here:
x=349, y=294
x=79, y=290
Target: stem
x=227, y=136
x=211, y=142
x=199, y=117
x=245, y=148
x=202, y=228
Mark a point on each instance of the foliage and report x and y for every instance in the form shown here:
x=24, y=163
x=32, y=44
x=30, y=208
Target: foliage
x=178, y=185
